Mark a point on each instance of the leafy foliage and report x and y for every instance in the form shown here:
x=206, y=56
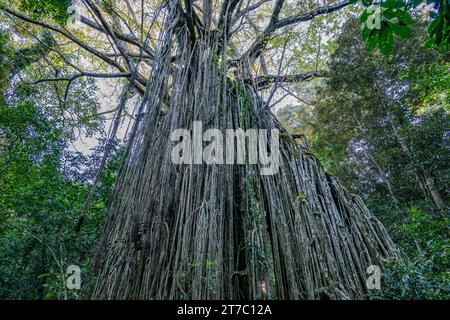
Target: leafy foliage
x=55, y=9
x=380, y=123
x=425, y=272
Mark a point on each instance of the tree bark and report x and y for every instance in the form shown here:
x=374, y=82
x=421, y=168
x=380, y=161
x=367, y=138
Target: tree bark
x=225, y=231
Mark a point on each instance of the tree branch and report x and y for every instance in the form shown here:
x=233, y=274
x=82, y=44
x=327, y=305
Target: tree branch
x=109, y=32
x=262, y=82
x=226, y=12
x=261, y=41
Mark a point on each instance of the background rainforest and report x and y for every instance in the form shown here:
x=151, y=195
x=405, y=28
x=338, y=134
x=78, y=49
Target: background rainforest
x=374, y=110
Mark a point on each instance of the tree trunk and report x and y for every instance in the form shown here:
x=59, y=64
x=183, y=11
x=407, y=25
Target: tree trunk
x=425, y=181
x=225, y=231
x=435, y=194
x=385, y=174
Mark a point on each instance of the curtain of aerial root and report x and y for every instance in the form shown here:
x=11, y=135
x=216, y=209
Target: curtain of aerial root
x=224, y=231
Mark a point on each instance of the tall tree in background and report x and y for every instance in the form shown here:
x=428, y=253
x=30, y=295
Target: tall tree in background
x=216, y=231
x=385, y=121
x=380, y=123
x=42, y=182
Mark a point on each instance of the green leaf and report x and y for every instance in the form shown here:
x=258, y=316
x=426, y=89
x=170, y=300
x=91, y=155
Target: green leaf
x=389, y=14
x=401, y=30
x=436, y=24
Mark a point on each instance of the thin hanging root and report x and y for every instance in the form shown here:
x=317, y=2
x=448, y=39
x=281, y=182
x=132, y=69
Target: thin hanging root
x=225, y=231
